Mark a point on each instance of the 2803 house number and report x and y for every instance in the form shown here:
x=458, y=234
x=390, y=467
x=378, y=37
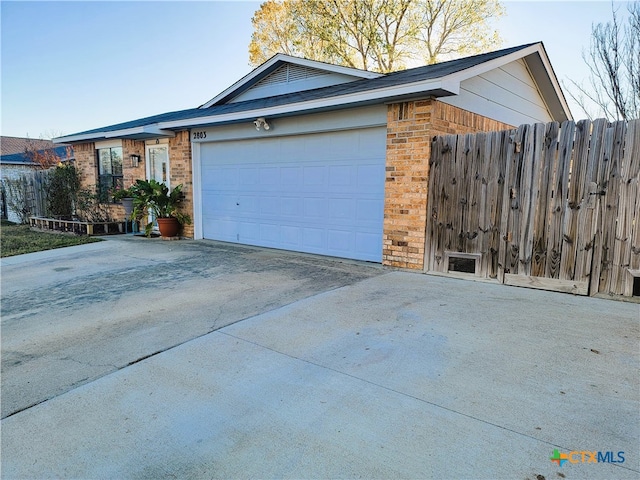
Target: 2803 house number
x=199, y=135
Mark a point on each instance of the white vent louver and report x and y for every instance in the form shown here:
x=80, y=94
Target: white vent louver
x=290, y=73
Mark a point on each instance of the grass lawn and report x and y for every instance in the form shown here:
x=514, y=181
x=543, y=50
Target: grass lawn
x=18, y=239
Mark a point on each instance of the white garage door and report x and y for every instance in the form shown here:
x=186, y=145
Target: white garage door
x=321, y=193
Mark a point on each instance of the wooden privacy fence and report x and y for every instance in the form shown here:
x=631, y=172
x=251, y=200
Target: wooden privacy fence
x=547, y=206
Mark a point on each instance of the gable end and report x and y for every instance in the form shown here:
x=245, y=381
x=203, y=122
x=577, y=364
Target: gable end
x=290, y=78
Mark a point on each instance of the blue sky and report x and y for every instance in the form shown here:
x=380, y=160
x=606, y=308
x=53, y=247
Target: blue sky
x=73, y=66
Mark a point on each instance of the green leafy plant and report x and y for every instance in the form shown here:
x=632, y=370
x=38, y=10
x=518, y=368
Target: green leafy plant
x=90, y=208
x=119, y=193
x=151, y=196
x=62, y=191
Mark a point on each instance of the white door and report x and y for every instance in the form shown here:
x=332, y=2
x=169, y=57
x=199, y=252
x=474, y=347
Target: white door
x=157, y=169
x=321, y=193
x=158, y=163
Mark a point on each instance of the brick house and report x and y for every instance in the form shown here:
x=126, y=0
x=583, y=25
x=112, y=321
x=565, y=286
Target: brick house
x=306, y=156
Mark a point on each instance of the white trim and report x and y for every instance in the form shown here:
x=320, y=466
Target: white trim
x=143, y=130
x=337, y=101
x=108, y=144
x=448, y=85
x=512, y=57
x=148, y=162
x=255, y=75
x=452, y=87
x=151, y=130
x=157, y=141
x=196, y=168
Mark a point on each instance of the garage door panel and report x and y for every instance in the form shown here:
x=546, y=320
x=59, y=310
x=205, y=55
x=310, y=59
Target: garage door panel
x=269, y=178
x=290, y=236
x=368, y=243
x=315, y=208
x=269, y=233
x=290, y=206
x=269, y=206
x=339, y=242
x=248, y=232
x=342, y=209
x=321, y=193
x=248, y=176
x=226, y=229
x=313, y=238
x=220, y=203
x=314, y=176
x=247, y=205
x=370, y=175
x=369, y=212
x=290, y=176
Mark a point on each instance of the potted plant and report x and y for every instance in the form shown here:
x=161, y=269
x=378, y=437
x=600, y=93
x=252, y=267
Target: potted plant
x=125, y=196
x=151, y=196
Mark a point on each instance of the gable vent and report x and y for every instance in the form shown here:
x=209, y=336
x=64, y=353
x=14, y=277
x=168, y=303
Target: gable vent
x=290, y=73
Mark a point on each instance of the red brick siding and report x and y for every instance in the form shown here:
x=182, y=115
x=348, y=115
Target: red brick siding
x=407, y=172
x=179, y=165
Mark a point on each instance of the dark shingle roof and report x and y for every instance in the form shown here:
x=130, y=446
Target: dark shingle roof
x=428, y=72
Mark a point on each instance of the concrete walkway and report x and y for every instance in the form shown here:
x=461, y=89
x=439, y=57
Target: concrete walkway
x=399, y=375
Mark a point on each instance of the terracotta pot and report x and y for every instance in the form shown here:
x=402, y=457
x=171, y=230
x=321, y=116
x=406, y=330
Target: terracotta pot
x=168, y=227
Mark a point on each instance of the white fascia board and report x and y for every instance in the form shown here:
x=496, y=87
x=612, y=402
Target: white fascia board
x=90, y=137
x=485, y=67
x=151, y=130
x=517, y=55
x=554, y=81
x=281, y=57
x=451, y=86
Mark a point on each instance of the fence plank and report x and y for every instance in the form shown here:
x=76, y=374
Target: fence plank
x=548, y=156
x=626, y=210
x=634, y=258
x=608, y=182
x=587, y=212
x=550, y=206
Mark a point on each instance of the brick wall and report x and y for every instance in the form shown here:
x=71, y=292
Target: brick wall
x=179, y=170
x=85, y=154
x=410, y=128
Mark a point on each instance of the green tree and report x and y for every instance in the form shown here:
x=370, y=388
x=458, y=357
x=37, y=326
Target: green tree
x=375, y=35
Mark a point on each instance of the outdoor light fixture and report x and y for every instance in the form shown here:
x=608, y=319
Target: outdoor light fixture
x=135, y=160
x=261, y=123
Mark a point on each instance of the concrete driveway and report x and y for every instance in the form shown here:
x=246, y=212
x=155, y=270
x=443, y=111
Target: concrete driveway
x=337, y=369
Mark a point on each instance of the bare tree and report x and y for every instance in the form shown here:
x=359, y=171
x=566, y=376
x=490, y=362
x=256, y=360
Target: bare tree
x=375, y=35
x=613, y=59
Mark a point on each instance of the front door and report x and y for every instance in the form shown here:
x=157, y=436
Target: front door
x=158, y=163
x=158, y=168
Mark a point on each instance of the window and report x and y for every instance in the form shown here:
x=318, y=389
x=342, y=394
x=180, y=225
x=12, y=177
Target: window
x=109, y=171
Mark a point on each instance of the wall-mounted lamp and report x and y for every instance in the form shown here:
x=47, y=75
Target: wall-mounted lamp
x=135, y=160
x=261, y=123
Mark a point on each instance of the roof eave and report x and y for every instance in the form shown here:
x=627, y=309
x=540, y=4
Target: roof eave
x=541, y=69
x=145, y=132
x=430, y=88
x=272, y=64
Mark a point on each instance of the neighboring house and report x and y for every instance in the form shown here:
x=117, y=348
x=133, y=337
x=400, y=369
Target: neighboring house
x=16, y=160
x=312, y=157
